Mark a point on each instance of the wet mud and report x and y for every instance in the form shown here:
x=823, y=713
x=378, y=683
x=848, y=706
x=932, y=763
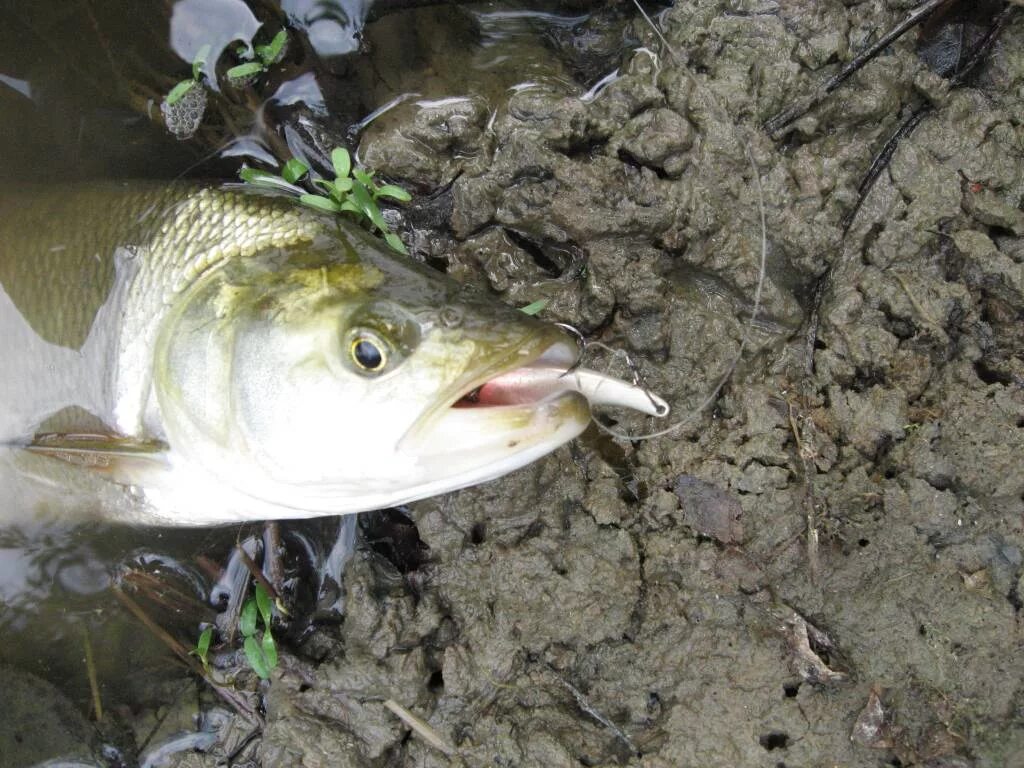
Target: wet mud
x=825, y=566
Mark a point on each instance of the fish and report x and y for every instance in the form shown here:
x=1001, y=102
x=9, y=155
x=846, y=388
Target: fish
x=200, y=354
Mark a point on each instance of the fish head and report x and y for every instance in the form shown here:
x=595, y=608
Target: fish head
x=334, y=377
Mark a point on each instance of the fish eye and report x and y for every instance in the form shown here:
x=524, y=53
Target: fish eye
x=368, y=352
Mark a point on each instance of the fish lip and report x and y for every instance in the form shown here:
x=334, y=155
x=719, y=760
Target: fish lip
x=561, y=352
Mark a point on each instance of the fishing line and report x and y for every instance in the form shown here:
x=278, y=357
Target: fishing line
x=713, y=395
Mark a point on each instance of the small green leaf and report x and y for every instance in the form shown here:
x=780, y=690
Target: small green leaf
x=328, y=186
x=178, y=92
x=396, y=243
x=243, y=52
x=348, y=205
x=534, y=307
x=254, y=654
x=363, y=176
x=267, y=180
x=263, y=603
x=269, y=53
x=244, y=70
x=367, y=207
x=200, y=61
x=247, y=621
x=294, y=170
x=253, y=175
x=342, y=162
x=269, y=649
x=203, y=646
x=321, y=203
x=395, y=193
x=336, y=189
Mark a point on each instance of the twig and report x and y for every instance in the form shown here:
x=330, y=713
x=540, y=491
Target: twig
x=232, y=697
x=657, y=31
x=162, y=634
x=230, y=759
x=421, y=728
x=882, y=160
x=982, y=48
x=272, y=555
x=584, y=703
x=256, y=573
x=90, y=669
x=813, y=561
x=802, y=107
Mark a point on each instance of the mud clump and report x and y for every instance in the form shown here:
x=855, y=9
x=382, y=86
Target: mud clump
x=604, y=606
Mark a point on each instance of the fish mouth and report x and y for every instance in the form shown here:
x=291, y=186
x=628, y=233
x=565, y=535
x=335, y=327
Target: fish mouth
x=517, y=411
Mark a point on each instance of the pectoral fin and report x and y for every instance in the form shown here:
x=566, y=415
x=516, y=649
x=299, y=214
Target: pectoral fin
x=123, y=459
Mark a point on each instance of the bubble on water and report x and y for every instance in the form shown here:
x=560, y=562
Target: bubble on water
x=184, y=117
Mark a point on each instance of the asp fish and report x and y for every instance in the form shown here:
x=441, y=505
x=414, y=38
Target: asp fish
x=199, y=355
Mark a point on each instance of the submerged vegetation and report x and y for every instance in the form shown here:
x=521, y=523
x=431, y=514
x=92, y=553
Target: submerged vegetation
x=260, y=648
x=352, y=190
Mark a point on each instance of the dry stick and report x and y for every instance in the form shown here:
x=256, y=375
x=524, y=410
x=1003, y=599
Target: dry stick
x=90, y=669
x=882, y=160
x=256, y=573
x=787, y=116
x=272, y=555
x=421, y=727
x=981, y=50
x=808, y=501
x=230, y=696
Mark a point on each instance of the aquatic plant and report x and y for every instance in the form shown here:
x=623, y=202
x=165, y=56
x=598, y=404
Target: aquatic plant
x=256, y=60
x=352, y=190
x=259, y=646
x=202, y=649
x=534, y=307
x=177, y=93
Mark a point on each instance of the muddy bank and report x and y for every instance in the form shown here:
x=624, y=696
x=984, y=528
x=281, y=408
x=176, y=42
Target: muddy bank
x=658, y=603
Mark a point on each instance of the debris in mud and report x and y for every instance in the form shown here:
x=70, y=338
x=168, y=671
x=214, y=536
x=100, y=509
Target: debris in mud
x=806, y=644
x=873, y=726
x=709, y=510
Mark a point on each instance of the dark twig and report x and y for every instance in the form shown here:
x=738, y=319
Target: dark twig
x=256, y=573
x=272, y=555
x=802, y=107
x=232, y=697
x=245, y=742
x=881, y=161
x=984, y=46
x=90, y=669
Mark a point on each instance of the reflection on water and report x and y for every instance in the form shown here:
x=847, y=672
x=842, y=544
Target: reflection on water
x=213, y=23
x=332, y=26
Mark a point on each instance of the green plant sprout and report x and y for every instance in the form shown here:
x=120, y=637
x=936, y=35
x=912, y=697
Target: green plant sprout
x=202, y=649
x=534, y=307
x=177, y=93
x=260, y=648
x=352, y=191
x=257, y=59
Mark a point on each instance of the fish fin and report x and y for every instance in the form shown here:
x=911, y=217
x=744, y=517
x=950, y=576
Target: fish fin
x=123, y=459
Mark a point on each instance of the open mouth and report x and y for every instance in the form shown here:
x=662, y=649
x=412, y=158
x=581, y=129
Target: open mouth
x=523, y=405
x=551, y=375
